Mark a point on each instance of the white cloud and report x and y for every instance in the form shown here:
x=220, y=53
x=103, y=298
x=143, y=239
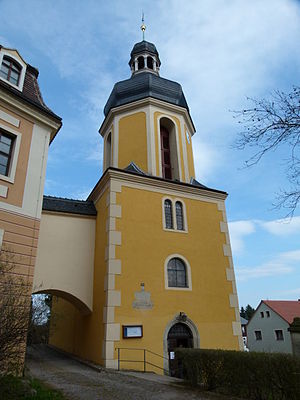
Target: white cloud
x=291, y=292
x=283, y=264
x=238, y=230
x=282, y=227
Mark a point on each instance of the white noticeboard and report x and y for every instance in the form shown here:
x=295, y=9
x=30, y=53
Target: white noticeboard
x=132, y=331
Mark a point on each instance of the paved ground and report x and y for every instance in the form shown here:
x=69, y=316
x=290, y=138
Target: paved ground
x=80, y=382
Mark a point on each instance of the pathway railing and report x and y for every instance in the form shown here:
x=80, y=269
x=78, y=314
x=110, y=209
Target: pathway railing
x=143, y=359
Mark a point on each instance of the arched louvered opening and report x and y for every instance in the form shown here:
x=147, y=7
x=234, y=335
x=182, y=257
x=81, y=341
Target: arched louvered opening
x=149, y=62
x=141, y=63
x=169, y=154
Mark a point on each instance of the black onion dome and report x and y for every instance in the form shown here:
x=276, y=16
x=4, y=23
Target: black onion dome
x=144, y=46
x=142, y=85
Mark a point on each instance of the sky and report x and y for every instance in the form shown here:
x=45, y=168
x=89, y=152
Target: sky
x=221, y=52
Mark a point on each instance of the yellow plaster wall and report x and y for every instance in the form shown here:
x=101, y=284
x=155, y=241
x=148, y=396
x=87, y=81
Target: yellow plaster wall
x=80, y=334
x=133, y=141
x=145, y=247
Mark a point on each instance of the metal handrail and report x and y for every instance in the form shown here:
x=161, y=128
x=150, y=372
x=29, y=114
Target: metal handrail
x=141, y=361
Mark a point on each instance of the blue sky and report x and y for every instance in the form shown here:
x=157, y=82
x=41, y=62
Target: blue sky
x=220, y=52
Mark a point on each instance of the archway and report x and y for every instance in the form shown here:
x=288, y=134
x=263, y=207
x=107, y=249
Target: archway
x=193, y=336
x=179, y=335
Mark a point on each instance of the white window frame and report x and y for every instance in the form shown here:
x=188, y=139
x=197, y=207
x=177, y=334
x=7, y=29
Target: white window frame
x=279, y=329
x=7, y=53
x=14, y=156
x=258, y=330
x=188, y=273
x=173, y=202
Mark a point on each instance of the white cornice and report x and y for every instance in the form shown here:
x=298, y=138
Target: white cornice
x=142, y=103
x=155, y=184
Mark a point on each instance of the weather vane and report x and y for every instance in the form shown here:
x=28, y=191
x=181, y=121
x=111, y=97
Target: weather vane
x=143, y=26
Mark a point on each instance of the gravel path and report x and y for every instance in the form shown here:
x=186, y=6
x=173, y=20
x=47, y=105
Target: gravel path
x=80, y=382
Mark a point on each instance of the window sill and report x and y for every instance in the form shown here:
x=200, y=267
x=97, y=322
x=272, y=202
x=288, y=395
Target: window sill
x=175, y=230
x=6, y=178
x=184, y=289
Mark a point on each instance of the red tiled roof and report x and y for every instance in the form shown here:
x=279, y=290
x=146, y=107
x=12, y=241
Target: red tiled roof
x=288, y=310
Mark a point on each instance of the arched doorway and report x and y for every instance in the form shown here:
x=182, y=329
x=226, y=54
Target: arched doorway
x=179, y=335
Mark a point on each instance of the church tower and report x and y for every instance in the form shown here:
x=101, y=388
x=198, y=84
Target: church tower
x=163, y=274
x=147, y=121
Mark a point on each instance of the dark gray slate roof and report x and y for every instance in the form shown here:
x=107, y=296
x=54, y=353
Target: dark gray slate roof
x=194, y=182
x=142, y=85
x=132, y=167
x=144, y=46
x=71, y=206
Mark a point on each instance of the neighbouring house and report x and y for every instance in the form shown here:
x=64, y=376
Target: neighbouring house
x=269, y=328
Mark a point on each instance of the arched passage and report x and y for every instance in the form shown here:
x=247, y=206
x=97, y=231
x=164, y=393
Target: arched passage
x=80, y=305
x=180, y=332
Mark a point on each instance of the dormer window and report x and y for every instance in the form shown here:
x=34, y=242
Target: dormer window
x=10, y=70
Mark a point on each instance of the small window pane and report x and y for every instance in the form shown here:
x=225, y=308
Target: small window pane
x=2, y=169
x=3, y=159
x=5, y=139
x=4, y=148
x=4, y=72
x=168, y=214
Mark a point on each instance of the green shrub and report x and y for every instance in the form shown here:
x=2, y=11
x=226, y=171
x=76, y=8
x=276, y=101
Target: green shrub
x=258, y=376
x=15, y=388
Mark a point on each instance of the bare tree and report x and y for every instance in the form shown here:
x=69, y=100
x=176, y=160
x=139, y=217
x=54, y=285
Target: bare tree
x=269, y=124
x=14, y=314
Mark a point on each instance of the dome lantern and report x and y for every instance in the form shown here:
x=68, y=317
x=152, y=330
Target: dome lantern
x=144, y=58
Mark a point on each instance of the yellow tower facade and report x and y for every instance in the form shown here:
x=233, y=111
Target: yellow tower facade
x=163, y=271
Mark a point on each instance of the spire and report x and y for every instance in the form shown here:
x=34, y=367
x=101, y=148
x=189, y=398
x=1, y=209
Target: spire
x=143, y=26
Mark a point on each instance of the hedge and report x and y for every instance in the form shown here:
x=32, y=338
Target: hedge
x=258, y=376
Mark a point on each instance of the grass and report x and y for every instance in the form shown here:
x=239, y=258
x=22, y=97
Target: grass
x=13, y=388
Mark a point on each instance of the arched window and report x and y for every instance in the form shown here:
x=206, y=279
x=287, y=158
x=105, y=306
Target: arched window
x=150, y=62
x=168, y=214
x=141, y=62
x=177, y=276
x=179, y=216
x=10, y=70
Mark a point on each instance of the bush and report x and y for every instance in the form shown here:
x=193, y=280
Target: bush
x=14, y=388
x=258, y=376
